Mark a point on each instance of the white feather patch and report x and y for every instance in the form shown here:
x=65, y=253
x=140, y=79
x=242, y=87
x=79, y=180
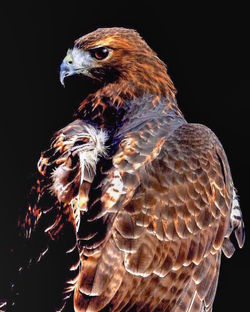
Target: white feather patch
x=90, y=146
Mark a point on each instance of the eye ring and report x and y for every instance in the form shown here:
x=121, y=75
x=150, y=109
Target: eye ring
x=100, y=53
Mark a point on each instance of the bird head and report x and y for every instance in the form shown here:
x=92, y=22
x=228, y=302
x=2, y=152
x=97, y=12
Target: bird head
x=110, y=54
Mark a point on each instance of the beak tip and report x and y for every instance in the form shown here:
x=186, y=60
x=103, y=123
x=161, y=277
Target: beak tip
x=62, y=75
x=62, y=81
x=64, y=70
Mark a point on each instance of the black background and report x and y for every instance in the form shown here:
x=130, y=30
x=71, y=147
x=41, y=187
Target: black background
x=206, y=50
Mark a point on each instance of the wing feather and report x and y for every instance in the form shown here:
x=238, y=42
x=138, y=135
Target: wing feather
x=170, y=217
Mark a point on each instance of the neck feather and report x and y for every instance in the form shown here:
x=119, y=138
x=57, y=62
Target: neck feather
x=108, y=105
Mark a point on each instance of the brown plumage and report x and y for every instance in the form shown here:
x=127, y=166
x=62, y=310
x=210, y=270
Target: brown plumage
x=152, y=215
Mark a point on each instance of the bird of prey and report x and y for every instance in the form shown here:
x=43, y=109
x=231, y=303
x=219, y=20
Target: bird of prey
x=142, y=201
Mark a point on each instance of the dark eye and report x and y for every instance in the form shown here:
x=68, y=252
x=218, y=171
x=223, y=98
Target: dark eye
x=100, y=53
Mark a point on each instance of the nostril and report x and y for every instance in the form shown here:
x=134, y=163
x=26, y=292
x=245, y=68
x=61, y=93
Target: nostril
x=70, y=61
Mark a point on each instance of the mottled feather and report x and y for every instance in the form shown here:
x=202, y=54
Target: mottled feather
x=149, y=198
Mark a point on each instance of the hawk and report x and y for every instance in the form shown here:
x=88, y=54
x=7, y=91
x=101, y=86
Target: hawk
x=142, y=202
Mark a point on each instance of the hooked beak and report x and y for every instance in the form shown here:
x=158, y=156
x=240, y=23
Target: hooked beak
x=65, y=71
x=67, y=68
x=75, y=62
